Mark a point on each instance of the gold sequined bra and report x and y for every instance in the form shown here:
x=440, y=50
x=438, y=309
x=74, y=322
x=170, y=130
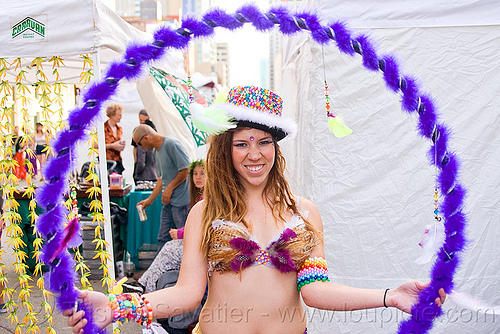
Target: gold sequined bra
x=233, y=248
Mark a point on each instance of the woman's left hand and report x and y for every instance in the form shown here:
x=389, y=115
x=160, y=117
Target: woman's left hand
x=173, y=233
x=119, y=145
x=405, y=295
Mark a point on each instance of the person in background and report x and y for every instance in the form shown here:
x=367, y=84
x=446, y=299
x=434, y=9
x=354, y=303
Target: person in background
x=40, y=146
x=113, y=134
x=144, y=119
x=196, y=188
x=144, y=166
x=259, y=247
x=169, y=257
x=172, y=164
x=31, y=154
x=19, y=148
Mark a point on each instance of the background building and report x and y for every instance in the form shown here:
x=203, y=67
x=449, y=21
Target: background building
x=223, y=58
x=275, y=60
x=171, y=8
x=151, y=10
x=126, y=8
x=211, y=56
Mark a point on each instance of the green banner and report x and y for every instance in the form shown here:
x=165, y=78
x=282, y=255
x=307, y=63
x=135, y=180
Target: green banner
x=177, y=90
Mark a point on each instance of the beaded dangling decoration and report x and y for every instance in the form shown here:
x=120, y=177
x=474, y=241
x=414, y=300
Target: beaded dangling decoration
x=436, y=205
x=189, y=81
x=190, y=89
x=437, y=218
x=327, y=100
x=335, y=124
x=434, y=234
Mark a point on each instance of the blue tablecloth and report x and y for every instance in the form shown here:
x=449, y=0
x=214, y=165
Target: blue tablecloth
x=144, y=233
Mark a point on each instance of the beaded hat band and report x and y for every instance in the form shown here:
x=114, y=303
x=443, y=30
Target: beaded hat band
x=248, y=106
x=256, y=98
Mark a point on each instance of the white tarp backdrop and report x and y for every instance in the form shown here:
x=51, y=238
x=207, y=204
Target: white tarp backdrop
x=374, y=188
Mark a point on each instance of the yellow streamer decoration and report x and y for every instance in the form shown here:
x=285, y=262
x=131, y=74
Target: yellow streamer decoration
x=38, y=61
x=56, y=62
x=49, y=94
x=87, y=61
x=17, y=61
x=86, y=76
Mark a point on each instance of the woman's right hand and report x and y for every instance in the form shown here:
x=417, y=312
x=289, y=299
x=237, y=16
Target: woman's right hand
x=102, y=313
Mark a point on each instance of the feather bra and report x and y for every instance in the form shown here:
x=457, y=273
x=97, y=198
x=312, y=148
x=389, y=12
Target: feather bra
x=233, y=248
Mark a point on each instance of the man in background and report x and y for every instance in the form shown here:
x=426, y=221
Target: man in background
x=172, y=164
x=144, y=166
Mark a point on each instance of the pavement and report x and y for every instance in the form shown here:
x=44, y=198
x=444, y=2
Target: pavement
x=36, y=299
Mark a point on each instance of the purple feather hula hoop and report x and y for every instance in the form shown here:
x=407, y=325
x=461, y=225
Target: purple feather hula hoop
x=138, y=55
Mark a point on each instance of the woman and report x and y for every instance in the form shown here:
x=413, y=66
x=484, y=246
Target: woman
x=197, y=180
x=113, y=136
x=196, y=187
x=19, y=148
x=171, y=253
x=248, y=205
x=41, y=146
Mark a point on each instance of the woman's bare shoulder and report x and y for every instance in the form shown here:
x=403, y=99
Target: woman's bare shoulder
x=198, y=208
x=306, y=205
x=194, y=216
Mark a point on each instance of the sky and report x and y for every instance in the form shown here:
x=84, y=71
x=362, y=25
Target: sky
x=247, y=46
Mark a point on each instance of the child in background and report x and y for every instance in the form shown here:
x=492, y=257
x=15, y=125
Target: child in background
x=170, y=255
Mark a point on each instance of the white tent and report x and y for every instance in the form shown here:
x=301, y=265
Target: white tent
x=63, y=28
x=68, y=28
x=374, y=188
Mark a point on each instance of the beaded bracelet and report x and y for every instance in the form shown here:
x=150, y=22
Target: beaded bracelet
x=147, y=313
x=314, y=269
x=131, y=307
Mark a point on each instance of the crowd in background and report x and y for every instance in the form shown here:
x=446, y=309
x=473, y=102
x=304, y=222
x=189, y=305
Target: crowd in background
x=32, y=148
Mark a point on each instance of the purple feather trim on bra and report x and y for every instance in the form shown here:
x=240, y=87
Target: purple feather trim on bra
x=280, y=258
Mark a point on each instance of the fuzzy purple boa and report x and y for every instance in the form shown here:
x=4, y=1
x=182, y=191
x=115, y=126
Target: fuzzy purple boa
x=139, y=55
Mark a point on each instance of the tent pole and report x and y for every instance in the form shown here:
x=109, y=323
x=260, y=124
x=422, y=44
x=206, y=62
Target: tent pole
x=103, y=167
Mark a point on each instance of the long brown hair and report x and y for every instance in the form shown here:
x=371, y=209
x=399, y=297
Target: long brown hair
x=195, y=193
x=225, y=195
